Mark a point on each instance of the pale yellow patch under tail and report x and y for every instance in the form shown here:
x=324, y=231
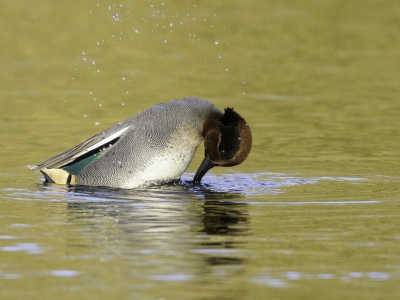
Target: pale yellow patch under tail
x=58, y=176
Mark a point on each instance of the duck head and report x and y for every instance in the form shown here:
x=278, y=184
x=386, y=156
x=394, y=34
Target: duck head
x=227, y=142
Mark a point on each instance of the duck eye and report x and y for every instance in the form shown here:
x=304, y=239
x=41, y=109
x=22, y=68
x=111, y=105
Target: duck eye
x=221, y=152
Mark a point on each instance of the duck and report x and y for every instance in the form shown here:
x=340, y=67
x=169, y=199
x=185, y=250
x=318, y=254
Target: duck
x=154, y=147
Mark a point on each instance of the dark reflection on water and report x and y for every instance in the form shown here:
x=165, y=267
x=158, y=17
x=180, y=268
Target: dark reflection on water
x=220, y=216
x=174, y=217
x=219, y=211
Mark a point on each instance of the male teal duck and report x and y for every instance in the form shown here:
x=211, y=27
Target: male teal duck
x=154, y=147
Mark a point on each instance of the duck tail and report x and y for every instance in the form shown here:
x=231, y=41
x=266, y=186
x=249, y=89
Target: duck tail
x=58, y=176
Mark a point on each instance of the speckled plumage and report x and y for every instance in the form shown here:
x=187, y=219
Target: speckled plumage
x=157, y=146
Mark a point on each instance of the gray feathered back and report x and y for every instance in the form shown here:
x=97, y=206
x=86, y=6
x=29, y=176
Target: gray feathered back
x=173, y=130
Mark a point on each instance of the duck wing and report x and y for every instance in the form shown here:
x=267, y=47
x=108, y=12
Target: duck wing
x=84, y=150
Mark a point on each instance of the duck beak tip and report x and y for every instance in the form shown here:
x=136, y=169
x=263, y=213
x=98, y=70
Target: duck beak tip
x=205, y=165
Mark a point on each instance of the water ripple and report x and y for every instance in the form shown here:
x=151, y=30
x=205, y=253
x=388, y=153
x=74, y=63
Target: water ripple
x=227, y=186
x=261, y=183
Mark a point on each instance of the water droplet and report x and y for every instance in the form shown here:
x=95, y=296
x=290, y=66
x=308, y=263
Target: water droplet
x=226, y=69
x=165, y=41
x=123, y=103
x=123, y=78
x=84, y=58
x=216, y=42
x=84, y=116
x=239, y=139
x=135, y=30
x=100, y=104
x=96, y=123
x=93, y=63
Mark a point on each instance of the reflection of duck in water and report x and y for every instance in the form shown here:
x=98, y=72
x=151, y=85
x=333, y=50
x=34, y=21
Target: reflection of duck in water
x=182, y=219
x=154, y=147
x=220, y=217
x=165, y=208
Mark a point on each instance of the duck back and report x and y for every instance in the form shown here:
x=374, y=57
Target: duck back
x=152, y=147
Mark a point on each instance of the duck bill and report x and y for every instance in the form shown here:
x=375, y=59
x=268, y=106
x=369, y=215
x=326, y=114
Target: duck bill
x=205, y=165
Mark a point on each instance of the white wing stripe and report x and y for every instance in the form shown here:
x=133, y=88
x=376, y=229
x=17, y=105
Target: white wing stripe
x=102, y=142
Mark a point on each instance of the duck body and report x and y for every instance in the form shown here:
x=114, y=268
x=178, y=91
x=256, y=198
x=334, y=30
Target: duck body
x=153, y=147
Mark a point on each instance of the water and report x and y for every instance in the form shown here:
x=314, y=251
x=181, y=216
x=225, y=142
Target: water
x=313, y=212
